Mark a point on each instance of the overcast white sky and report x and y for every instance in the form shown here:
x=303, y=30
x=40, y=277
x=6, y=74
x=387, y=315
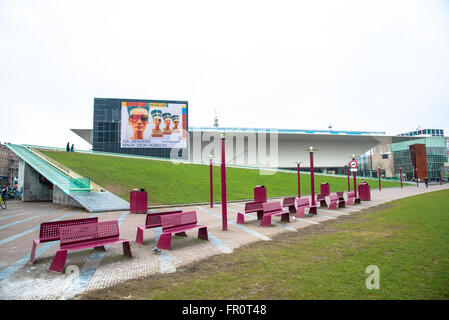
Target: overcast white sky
x=359, y=65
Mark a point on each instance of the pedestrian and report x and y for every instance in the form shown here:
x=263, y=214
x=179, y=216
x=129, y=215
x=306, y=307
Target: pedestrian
x=426, y=180
x=72, y=148
x=68, y=147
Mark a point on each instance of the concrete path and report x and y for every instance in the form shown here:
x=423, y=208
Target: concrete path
x=91, y=269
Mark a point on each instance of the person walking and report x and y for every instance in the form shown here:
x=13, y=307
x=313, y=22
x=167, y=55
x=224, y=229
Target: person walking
x=68, y=147
x=72, y=148
x=426, y=180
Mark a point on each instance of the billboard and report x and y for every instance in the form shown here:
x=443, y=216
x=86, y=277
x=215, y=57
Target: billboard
x=153, y=125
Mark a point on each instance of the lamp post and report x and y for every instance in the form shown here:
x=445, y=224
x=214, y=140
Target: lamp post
x=312, y=178
x=400, y=174
x=440, y=176
x=378, y=173
x=211, y=182
x=299, y=180
x=224, y=209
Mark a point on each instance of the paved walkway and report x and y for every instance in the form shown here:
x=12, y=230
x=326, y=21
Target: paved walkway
x=91, y=269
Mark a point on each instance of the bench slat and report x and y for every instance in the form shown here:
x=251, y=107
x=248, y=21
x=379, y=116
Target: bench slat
x=49, y=231
x=89, y=232
x=154, y=219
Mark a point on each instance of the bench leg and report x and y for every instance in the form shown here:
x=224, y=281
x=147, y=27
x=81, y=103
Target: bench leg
x=292, y=209
x=259, y=215
x=181, y=234
x=323, y=204
x=341, y=204
x=333, y=205
x=299, y=212
x=101, y=248
x=202, y=233
x=127, y=249
x=164, y=241
x=266, y=220
x=58, y=262
x=33, y=251
x=286, y=217
x=357, y=201
x=240, y=218
x=139, y=235
x=350, y=202
x=312, y=210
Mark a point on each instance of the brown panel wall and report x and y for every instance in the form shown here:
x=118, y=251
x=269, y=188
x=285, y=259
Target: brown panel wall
x=419, y=159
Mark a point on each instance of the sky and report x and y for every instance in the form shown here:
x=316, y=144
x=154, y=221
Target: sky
x=357, y=65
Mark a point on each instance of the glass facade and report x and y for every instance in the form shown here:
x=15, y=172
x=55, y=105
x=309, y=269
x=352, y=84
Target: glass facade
x=107, y=126
x=436, y=154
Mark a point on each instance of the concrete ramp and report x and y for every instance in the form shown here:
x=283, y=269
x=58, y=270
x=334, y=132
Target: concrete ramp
x=99, y=201
x=66, y=189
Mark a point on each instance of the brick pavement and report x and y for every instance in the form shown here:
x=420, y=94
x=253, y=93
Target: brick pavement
x=91, y=269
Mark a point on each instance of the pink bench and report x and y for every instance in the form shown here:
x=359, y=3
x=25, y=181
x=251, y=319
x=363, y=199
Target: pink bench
x=321, y=198
x=273, y=209
x=250, y=207
x=178, y=224
x=49, y=231
x=153, y=220
x=340, y=195
x=352, y=199
x=91, y=235
x=290, y=203
x=301, y=204
x=335, y=201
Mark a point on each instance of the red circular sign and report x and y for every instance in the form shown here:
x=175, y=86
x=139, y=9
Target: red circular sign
x=353, y=164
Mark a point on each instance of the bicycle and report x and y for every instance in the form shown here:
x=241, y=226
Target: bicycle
x=2, y=203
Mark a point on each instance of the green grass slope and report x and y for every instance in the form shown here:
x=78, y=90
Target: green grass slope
x=169, y=183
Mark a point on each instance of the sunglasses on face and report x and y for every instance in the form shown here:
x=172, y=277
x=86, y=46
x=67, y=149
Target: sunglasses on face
x=136, y=117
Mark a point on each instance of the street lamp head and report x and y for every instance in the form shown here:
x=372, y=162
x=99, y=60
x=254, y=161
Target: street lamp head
x=211, y=156
x=222, y=134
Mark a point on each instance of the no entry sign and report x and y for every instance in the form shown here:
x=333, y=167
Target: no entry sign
x=353, y=165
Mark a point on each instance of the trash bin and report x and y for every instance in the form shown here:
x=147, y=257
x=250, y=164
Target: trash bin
x=325, y=189
x=138, y=199
x=364, y=191
x=260, y=194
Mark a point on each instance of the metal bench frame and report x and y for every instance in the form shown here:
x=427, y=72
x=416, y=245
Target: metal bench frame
x=250, y=207
x=273, y=209
x=290, y=203
x=178, y=224
x=152, y=220
x=335, y=201
x=321, y=198
x=352, y=199
x=49, y=231
x=303, y=203
x=91, y=235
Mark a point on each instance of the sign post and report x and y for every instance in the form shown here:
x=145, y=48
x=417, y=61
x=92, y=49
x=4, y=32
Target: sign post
x=224, y=208
x=353, y=165
x=211, y=182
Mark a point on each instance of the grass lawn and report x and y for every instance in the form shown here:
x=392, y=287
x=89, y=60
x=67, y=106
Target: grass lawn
x=168, y=183
x=407, y=239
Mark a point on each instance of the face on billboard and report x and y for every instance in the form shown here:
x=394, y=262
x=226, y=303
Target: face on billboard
x=149, y=125
x=138, y=120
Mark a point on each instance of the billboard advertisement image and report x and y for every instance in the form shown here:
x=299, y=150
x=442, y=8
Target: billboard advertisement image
x=153, y=125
